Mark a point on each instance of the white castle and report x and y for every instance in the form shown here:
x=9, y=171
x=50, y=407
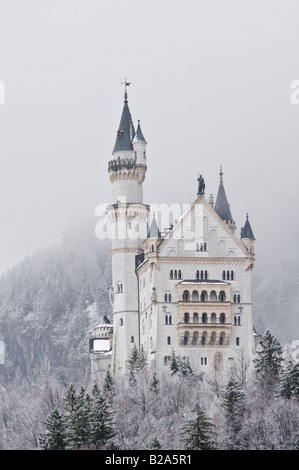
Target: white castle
x=186, y=290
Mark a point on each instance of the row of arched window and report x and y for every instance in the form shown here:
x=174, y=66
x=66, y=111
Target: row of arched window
x=228, y=275
x=204, y=318
x=202, y=274
x=203, y=296
x=174, y=274
x=195, y=339
x=201, y=246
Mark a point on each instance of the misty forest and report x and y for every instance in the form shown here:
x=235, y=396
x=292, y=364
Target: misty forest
x=50, y=303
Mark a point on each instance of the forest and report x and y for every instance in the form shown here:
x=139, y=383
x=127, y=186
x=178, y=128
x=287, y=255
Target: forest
x=256, y=408
x=49, y=305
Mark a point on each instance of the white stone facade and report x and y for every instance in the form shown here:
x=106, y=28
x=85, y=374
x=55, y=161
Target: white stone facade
x=187, y=290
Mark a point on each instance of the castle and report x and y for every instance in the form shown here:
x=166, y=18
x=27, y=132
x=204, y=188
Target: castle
x=186, y=289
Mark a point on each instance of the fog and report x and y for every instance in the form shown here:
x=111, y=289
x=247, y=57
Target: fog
x=210, y=82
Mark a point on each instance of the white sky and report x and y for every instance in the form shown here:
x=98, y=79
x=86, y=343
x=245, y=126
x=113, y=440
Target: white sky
x=210, y=84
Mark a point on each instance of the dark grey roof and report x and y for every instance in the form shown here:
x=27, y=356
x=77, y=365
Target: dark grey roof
x=139, y=136
x=222, y=207
x=154, y=231
x=246, y=231
x=126, y=131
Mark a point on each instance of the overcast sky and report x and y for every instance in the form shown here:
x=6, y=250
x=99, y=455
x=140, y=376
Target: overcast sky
x=210, y=82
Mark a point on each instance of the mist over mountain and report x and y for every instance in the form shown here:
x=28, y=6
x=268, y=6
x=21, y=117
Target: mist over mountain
x=49, y=303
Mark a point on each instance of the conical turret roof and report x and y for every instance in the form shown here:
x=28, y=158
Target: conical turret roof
x=154, y=231
x=222, y=207
x=126, y=131
x=246, y=231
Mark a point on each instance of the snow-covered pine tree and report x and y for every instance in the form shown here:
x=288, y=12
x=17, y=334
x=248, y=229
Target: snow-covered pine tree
x=179, y=365
x=197, y=432
x=78, y=421
x=56, y=436
x=101, y=420
x=289, y=386
x=233, y=406
x=268, y=364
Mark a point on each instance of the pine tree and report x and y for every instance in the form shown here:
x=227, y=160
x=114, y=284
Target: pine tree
x=137, y=361
x=155, y=444
x=290, y=381
x=269, y=363
x=173, y=363
x=101, y=425
x=78, y=421
x=233, y=405
x=55, y=438
x=179, y=365
x=198, y=433
x=154, y=385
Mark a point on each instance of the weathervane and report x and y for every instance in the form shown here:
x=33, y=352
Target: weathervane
x=126, y=84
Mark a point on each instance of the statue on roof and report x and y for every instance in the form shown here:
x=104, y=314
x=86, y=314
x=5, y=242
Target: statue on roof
x=201, y=186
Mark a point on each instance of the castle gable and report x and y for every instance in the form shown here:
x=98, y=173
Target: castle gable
x=201, y=232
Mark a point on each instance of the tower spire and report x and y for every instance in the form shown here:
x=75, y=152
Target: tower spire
x=126, y=85
x=222, y=207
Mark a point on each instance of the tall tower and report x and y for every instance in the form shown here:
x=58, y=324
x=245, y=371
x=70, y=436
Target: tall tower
x=128, y=218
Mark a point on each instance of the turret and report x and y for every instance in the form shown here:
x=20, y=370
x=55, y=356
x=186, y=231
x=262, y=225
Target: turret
x=247, y=237
x=128, y=218
x=128, y=166
x=222, y=207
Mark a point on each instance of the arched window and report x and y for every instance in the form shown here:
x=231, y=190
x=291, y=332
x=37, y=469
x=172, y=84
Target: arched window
x=222, y=296
x=213, y=296
x=180, y=274
x=166, y=360
x=232, y=275
x=175, y=274
x=165, y=297
x=186, y=338
x=223, y=275
x=119, y=287
x=237, y=320
x=237, y=341
x=195, y=318
x=169, y=297
x=222, y=318
x=213, y=337
x=186, y=296
x=170, y=320
x=227, y=275
x=195, y=338
x=197, y=275
x=204, y=338
x=204, y=318
x=195, y=296
x=132, y=339
x=121, y=322
x=213, y=318
x=186, y=318
x=221, y=338
x=166, y=319
x=171, y=274
x=204, y=296
x=168, y=340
